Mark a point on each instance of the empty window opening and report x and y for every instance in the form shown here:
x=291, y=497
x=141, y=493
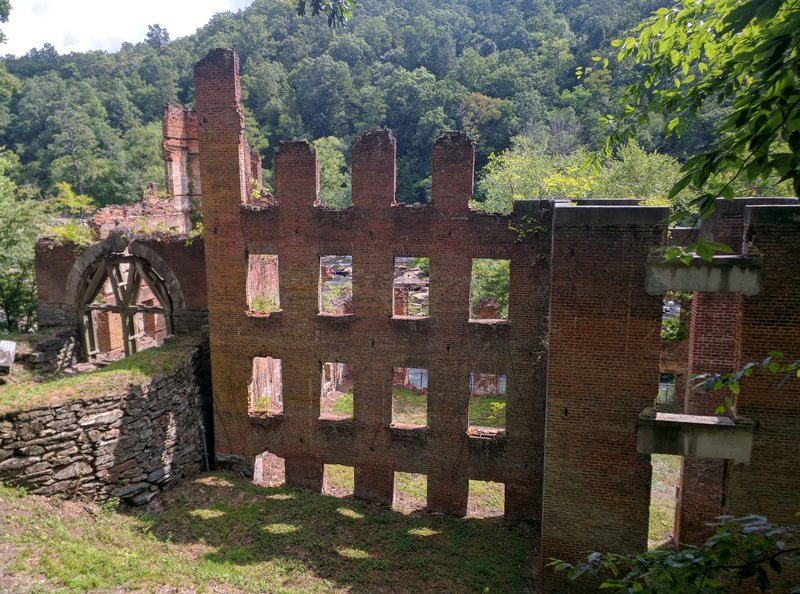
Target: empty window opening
x=263, y=295
x=410, y=492
x=336, y=401
x=486, y=499
x=675, y=318
x=666, y=400
x=266, y=386
x=410, y=397
x=410, y=291
x=663, y=496
x=269, y=470
x=487, y=402
x=488, y=296
x=338, y=480
x=334, y=177
x=336, y=285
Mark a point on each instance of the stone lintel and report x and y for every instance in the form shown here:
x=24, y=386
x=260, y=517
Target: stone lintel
x=722, y=274
x=696, y=437
x=614, y=216
x=773, y=214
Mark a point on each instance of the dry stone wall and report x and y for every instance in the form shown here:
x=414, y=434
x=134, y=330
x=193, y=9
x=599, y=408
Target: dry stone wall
x=130, y=445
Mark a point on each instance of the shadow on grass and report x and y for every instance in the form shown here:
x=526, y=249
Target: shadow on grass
x=291, y=539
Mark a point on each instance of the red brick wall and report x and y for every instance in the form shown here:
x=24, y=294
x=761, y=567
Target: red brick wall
x=374, y=231
x=602, y=373
x=771, y=321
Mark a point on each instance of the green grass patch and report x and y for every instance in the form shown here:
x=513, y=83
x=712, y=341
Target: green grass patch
x=486, y=499
x=409, y=408
x=117, y=376
x=344, y=404
x=340, y=477
x=221, y=533
x=487, y=411
x=666, y=474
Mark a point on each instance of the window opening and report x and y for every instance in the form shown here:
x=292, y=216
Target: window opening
x=486, y=499
x=410, y=397
x=266, y=386
x=410, y=291
x=338, y=480
x=666, y=400
x=336, y=401
x=334, y=176
x=336, y=285
x=489, y=288
x=410, y=492
x=663, y=497
x=269, y=470
x=263, y=294
x=487, y=402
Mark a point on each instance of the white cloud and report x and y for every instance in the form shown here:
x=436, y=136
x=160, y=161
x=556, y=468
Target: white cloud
x=81, y=25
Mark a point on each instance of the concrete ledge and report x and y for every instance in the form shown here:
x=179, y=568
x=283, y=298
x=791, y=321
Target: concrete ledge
x=599, y=216
x=772, y=214
x=696, y=437
x=723, y=274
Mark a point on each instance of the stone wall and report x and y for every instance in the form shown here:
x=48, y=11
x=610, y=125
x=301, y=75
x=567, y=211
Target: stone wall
x=130, y=445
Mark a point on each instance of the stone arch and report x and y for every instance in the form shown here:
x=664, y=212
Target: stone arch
x=127, y=265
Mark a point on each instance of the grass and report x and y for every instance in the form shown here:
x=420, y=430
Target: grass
x=409, y=408
x=220, y=533
x=344, y=404
x=33, y=392
x=485, y=499
x=666, y=473
x=487, y=411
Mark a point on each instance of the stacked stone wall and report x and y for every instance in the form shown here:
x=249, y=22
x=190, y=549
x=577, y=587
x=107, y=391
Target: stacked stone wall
x=130, y=445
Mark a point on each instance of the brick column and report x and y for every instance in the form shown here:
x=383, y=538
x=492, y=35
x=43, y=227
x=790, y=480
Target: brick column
x=602, y=372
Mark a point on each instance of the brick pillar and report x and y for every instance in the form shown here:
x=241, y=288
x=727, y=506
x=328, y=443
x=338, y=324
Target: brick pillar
x=602, y=373
x=374, y=483
x=453, y=172
x=221, y=144
x=771, y=321
x=304, y=474
x=713, y=348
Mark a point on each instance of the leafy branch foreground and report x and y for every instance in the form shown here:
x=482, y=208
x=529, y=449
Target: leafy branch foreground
x=221, y=533
x=747, y=550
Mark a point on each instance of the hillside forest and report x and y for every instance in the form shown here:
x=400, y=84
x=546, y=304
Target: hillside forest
x=525, y=78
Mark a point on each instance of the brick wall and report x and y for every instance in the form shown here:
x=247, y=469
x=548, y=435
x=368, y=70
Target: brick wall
x=374, y=231
x=602, y=373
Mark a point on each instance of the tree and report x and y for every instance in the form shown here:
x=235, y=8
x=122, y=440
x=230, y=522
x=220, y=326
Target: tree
x=337, y=11
x=5, y=8
x=742, y=52
x=157, y=36
x=334, y=180
x=746, y=550
x=20, y=223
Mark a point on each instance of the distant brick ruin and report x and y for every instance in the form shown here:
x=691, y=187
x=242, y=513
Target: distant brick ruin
x=579, y=354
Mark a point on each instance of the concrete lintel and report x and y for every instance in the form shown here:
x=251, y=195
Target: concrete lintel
x=723, y=274
x=614, y=216
x=772, y=214
x=695, y=436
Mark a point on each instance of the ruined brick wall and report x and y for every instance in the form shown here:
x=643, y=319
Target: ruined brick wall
x=369, y=340
x=769, y=322
x=178, y=260
x=603, y=371
x=179, y=149
x=52, y=264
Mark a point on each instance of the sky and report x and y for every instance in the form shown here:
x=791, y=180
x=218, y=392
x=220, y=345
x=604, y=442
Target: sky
x=82, y=25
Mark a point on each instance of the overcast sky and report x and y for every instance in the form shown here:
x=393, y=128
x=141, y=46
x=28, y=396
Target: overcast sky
x=81, y=25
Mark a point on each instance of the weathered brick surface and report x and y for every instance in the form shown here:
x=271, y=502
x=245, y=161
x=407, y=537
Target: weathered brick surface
x=370, y=341
x=602, y=372
x=771, y=321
